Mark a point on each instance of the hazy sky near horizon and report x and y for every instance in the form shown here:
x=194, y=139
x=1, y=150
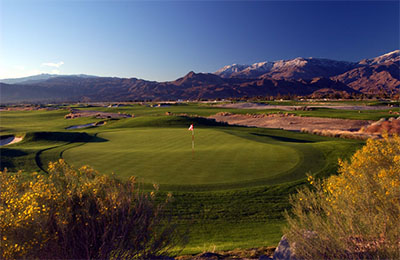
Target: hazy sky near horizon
x=164, y=40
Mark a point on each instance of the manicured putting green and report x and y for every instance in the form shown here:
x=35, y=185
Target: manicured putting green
x=164, y=156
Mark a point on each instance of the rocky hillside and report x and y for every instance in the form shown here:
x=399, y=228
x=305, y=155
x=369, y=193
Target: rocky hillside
x=193, y=86
x=299, y=68
x=374, y=77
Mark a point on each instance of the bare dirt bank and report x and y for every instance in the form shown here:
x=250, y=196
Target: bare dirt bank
x=291, y=108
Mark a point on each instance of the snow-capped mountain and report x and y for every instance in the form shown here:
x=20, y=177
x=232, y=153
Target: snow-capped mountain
x=308, y=68
x=373, y=75
x=240, y=70
x=283, y=69
x=301, y=68
x=377, y=75
x=393, y=56
x=228, y=70
x=255, y=70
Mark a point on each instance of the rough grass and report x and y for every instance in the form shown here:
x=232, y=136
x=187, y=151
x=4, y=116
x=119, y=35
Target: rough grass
x=210, y=237
x=348, y=114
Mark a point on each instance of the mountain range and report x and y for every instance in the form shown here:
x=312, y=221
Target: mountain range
x=39, y=78
x=299, y=76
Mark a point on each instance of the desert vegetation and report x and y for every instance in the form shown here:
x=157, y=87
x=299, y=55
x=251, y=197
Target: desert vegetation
x=80, y=214
x=353, y=215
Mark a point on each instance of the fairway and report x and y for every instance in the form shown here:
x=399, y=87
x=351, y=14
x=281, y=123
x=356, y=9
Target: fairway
x=164, y=156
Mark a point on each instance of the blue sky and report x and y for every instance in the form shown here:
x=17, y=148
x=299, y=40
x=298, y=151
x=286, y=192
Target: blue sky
x=163, y=40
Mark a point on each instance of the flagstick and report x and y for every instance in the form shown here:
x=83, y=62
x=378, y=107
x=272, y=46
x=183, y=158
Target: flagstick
x=192, y=143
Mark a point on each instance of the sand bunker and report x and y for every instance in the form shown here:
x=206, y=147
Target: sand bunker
x=75, y=113
x=10, y=140
x=86, y=125
x=306, y=107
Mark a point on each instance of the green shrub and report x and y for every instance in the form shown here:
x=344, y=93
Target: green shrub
x=355, y=214
x=80, y=214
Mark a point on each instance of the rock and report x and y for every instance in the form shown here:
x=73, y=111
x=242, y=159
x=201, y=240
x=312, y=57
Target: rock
x=209, y=256
x=265, y=257
x=283, y=251
x=165, y=258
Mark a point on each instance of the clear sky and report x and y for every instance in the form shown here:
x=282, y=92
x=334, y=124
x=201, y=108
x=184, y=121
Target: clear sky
x=164, y=40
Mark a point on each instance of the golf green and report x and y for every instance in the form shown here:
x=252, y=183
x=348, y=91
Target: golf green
x=165, y=156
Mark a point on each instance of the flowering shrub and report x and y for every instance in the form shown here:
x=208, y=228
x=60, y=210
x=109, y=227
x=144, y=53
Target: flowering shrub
x=80, y=214
x=355, y=214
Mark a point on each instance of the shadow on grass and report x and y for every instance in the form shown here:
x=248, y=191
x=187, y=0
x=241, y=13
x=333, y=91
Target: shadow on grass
x=284, y=139
x=7, y=155
x=201, y=121
x=71, y=137
x=5, y=136
x=176, y=121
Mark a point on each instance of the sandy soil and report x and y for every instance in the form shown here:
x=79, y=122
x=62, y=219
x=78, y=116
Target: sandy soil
x=291, y=122
x=10, y=140
x=291, y=108
x=98, y=114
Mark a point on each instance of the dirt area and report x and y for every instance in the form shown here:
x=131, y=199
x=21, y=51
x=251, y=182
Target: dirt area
x=305, y=107
x=75, y=113
x=291, y=122
x=333, y=127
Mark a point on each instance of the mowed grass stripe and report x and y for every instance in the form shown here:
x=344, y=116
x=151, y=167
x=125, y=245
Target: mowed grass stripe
x=164, y=156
